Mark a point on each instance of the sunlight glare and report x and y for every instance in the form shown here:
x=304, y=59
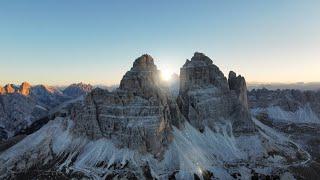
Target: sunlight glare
x=166, y=74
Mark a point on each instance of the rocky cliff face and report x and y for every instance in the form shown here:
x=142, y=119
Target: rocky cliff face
x=206, y=98
x=10, y=88
x=238, y=84
x=1, y=90
x=142, y=108
x=25, y=89
x=135, y=116
x=143, y=79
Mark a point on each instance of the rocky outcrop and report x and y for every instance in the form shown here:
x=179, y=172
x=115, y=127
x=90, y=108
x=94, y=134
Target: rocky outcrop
x=76, y=90
x=199, y=73
x=141, y=106
x=238, y=84
x=2, y=91
x=135, y=116
x=25, y=88
x=143, y=79
x=9, y=88
x=206, y=99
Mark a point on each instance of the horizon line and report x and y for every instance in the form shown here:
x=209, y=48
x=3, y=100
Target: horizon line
x=115, y=84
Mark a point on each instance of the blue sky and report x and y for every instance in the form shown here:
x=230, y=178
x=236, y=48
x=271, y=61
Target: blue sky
x=64, y=41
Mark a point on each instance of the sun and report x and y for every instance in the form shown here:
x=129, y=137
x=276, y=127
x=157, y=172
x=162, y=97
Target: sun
x=166, y=74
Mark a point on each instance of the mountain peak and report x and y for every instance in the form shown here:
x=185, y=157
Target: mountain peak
x=25, y=88
x=77, y=89
x=198, y=60
x=143, y=78
x=9, y=88
x=201, y=72
x=144, y=62
x=199, y=55
x=238, y=84
x=81, y=84
x=202, y=84
x=2, y=90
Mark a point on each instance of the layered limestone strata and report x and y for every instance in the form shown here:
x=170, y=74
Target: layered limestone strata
x=206, y=98
x=135, y=116
x=140, y=114
x=238, y=84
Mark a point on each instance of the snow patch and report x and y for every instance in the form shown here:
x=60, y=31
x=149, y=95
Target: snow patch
x=41, y=107
x=302, y=115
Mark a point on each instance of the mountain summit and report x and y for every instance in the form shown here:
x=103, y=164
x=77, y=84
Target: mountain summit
x=206, y=98
x=25, y=88
x=76, y=90
x=143, y=79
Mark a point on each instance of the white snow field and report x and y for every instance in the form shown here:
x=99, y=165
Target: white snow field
x=302, y=115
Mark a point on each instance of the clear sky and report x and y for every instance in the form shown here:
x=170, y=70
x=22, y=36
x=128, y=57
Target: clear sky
x=64, y=41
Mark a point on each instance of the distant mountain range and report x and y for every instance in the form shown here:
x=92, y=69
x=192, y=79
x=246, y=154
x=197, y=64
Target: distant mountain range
x=174, y=84
x=21, y=105
x=274, y=86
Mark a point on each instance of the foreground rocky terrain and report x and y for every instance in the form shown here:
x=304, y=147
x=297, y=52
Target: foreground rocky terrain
x=141, y=131
x=296, y=114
